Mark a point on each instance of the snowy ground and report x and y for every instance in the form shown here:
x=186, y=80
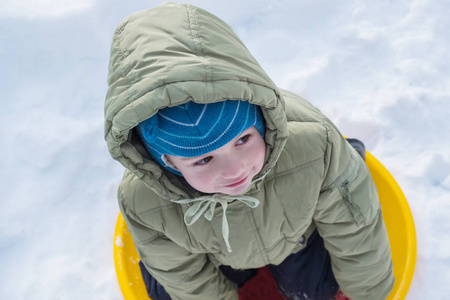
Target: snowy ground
x=379, y=69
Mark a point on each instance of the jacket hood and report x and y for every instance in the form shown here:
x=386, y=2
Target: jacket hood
x=170, y=55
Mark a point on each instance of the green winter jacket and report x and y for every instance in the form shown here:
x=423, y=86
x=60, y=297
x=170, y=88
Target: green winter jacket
x=312, y=179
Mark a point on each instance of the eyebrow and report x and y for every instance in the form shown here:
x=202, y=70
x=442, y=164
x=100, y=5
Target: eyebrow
x=189, y=158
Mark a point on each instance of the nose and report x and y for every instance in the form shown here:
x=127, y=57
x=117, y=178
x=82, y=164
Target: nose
x=232, y=168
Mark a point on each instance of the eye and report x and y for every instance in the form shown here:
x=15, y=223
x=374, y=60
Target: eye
x=203, y=161
x=243, y=139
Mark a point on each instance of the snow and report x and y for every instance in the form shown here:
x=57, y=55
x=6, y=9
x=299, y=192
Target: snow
x=379, y=69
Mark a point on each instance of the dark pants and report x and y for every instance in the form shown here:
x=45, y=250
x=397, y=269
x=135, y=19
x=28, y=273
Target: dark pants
x=304, y=275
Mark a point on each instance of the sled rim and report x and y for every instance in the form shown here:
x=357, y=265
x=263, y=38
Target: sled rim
x=126, y=262
x=402, y=239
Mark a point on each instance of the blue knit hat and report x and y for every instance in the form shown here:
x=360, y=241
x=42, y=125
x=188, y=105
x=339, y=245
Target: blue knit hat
x=194, y=129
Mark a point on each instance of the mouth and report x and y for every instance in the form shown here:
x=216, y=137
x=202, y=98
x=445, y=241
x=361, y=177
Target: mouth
x=237, y=183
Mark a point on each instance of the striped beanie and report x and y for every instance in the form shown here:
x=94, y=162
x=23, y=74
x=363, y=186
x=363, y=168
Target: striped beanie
x=194, y=129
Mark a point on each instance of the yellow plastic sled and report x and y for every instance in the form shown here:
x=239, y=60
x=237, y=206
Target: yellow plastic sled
x=397, y=217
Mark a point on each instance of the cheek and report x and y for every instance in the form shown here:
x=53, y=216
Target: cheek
x=259, y=154
x=201, y=181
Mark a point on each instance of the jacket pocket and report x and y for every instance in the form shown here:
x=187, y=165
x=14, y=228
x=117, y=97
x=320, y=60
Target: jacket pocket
x=359, y=191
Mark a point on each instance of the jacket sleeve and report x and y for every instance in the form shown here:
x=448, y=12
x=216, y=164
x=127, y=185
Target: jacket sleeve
x=184, y=275
x=348, y=217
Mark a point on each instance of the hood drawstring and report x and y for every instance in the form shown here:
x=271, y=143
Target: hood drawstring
x=205, y=205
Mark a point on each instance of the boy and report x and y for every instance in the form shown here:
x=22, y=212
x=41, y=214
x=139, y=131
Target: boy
x=226, y=173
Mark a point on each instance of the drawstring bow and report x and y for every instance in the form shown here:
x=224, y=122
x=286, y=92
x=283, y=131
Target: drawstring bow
x=206, y=205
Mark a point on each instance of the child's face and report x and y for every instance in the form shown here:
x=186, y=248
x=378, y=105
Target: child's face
x=227, y=170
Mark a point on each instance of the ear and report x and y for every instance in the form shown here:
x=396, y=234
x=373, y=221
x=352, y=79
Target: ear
x=168, y=163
